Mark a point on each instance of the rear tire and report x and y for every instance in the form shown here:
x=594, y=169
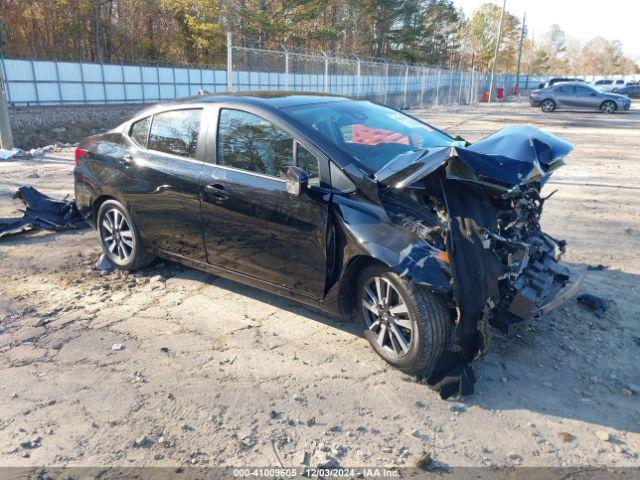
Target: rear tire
x=119, y=237
x=407, y=325
x=608, y=107
x=548, y=106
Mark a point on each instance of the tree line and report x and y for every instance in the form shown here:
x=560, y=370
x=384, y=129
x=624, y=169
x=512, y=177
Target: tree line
x=193, y=32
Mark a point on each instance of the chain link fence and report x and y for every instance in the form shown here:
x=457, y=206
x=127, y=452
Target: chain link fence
x=400, y=85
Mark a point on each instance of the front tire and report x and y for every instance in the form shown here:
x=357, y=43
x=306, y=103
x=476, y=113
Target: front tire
x=548, y=106
x=608, y=107
x=406, y=325
x=119, y=237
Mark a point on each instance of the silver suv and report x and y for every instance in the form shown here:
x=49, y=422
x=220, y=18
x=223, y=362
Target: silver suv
x=576, y=95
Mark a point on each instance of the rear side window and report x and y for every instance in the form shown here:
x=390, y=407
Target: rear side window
x=249, y=142
x=140, y=131
x=565, y=89
x=176, y=132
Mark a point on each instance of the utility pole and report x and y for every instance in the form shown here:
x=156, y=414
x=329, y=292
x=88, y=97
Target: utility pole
x=6, y=137
x=524, y=21
x=495, y=53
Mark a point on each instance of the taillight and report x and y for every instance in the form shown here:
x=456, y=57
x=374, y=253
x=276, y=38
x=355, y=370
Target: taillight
x=80, y=152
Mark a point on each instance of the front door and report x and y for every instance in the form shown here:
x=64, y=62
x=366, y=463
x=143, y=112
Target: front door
x=587, y=97
x=252, y=225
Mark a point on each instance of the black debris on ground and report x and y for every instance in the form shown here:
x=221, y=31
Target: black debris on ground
x=597, y=304
x=597, y=267
x=42, y=213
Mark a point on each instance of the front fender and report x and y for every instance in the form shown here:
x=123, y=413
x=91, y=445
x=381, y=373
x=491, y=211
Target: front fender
x=369, y=232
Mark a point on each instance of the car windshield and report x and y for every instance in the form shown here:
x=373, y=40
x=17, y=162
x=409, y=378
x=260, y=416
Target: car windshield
x=370, y=133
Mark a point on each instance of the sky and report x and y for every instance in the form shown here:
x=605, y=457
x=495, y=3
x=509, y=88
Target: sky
x=579, y=19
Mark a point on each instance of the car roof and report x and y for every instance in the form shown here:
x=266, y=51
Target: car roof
x=573, y=82
x=277, y=99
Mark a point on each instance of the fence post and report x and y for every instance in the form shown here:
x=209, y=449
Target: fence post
x=6, y=137
x=158, y=80
x=359, y=78
x=188, y=81
x=175, y=88
x=460, y=76
x=84, y=88
x=286, y=69
x=229, y=62
x=326, y=73
x=406, y=85
x=144, y=97
x=470, y=95
x=35, y=83
x=386, y=81
x=104, y=85
x=58, y=82
x=124, y=84
x=438, y=86
x=422, y=79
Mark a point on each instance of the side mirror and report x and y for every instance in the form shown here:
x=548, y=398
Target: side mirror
x=296, y=180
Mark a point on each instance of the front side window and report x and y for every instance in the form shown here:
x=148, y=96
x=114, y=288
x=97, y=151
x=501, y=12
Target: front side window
x=176, y=132
x=584, y=90
x=370, y=133
x=140, y=131
x=249, y=142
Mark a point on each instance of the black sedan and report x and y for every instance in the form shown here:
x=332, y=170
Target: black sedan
x=342, y=204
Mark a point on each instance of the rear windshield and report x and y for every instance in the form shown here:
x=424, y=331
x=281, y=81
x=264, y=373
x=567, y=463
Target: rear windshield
x=371, y=133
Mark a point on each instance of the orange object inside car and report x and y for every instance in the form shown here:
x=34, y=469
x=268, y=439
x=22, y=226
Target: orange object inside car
x=374, y=136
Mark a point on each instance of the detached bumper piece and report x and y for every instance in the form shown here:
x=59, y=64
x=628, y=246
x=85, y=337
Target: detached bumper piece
x=41, y=213
x=543, y=286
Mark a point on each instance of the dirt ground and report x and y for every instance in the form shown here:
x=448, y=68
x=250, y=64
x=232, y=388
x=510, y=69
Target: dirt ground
x=216, y=373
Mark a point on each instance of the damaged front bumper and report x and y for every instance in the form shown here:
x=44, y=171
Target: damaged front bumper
x=543, y=286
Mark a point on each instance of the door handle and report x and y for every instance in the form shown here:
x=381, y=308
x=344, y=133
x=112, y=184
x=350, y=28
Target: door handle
x=216, y=190
x=127, y=160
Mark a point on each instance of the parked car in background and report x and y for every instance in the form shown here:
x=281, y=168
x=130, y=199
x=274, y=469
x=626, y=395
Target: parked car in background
x=608, y=84
x=572, y=95
x=629, y=90
x=552, y=81
x=352, y=207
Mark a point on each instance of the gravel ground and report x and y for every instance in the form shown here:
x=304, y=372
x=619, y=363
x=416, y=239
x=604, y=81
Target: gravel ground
x=216, y=373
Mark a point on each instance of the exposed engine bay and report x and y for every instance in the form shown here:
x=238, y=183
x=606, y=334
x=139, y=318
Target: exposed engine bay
x=482, y=204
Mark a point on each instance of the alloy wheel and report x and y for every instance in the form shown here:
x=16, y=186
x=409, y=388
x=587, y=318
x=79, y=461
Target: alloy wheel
x=547, y=106
x=608, y=107
x=117, y=235
x=387, y=316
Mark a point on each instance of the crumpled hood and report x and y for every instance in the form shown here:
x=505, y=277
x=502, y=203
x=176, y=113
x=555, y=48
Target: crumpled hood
x=505, y=159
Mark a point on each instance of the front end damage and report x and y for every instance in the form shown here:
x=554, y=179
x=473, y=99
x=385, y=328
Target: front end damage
x=481, y=204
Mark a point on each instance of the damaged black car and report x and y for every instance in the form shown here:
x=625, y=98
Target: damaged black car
x=342, y=204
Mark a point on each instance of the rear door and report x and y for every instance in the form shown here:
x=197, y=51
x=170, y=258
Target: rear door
x=252, y=225
x=564, y=95
x=165, y=199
